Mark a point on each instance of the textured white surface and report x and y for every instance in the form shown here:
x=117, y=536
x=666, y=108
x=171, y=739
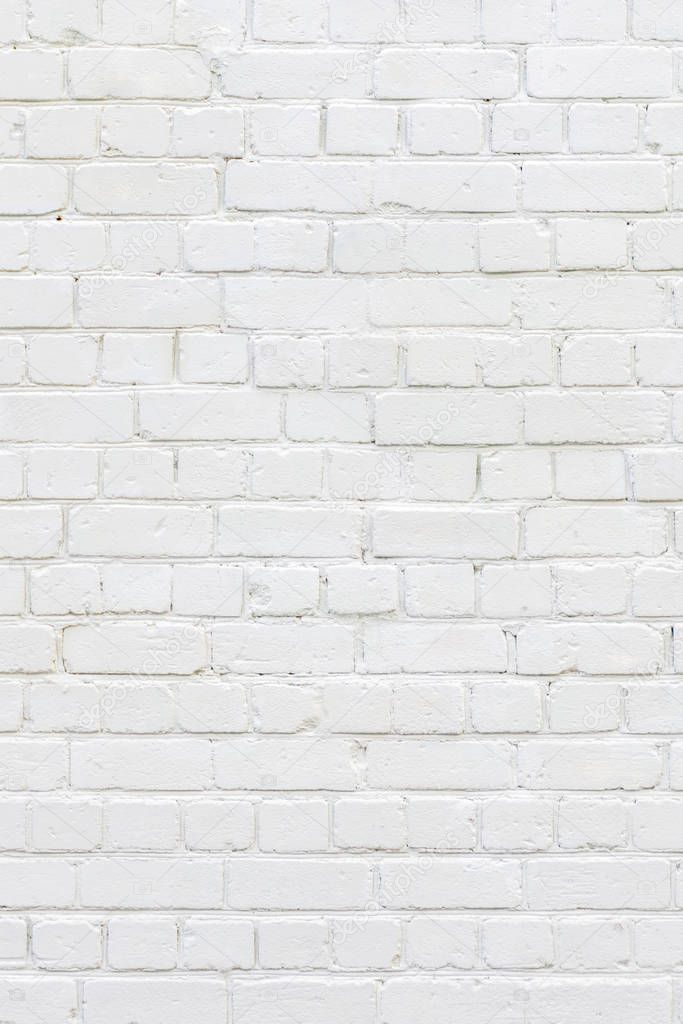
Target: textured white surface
x=341, y=356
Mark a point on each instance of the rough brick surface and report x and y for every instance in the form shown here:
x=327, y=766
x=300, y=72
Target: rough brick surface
x=341, y=660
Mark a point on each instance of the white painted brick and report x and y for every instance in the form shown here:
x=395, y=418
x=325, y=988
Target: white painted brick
x=65, y=589
x=472, y=883
x=518, y=590
x=592, y=589
x=12, y=353
x=66, y=945
x=582, y=245
x=207, y=132
x=12, y=467
x=416, y=764
x=522, y=21
x=278, y=704
x=133, y=587
x=13, y=939
x=517, y=823
x=585, y=707
x=608, y=72
x=215, y=825
x=369, y=824
x=61, y=132
x=68, y=359
x=664, y=127
x=376, y=944
x=518, y=474
x=279, y=885
x=149, y=997
x=288, y=362
x=441, y=823
x=597, y=531
x=592, y=943
x=496, y=707
x=361, y=363
x=131, y=473
x=531, y=947
x=439, y=590
x=550, y=764
x=264, y=648
x=285, y=764
x=436, y=532
x=285, y=130
x=293, y=942
x=611, y=649
x=429, y=708
x=211, y=944
x=654, y=20
x=605, y=128
x=213, y=358
x=576, y=302
x=183, y=530
x=513, y=245
x=199, y=415
x=595, y=475
x=442, y=418
x=285, y=244
x=117, y=188
x=598, y=884
x=142, y=943
x=370, y=130
x=198, y=19
x=448, y=130
x=286, y=827
x=13, y=835
x=288, y=532
x=470, y=187
x=655, y=245
x=130, y=72
x=211, y=472
x=221, y=245
x=443, y=942
x=135, y=131
x=439, y=360
x=656, y=824
x=339, y=513
x=39, y=882
x=287, y=474
x=349, y=998
x=595, y=416
x=526, y=128
x=146, y=247
x=352, y=706
x=600, y=186
x=76, y=20
x=350, y=21
x=290, y=591
x=578, y=19
x=12, y=590
x=153, y=24
x=595, y=359
x=440, y=246
x=367, y=247
x=355, y=590
x=140, y=824
x=64, y=705
x=322, y=416
x=119, y=763
x=440, y=21
x=445, y=74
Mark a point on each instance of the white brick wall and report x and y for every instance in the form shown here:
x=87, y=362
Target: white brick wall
x=341, y=658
